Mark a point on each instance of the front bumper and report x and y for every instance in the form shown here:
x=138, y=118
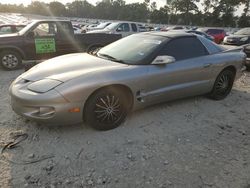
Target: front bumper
x=46, y=108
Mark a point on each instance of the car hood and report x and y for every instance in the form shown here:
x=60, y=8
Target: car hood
x=67, y=67
x=9, y=35
x=237, y=36
x=100, y=31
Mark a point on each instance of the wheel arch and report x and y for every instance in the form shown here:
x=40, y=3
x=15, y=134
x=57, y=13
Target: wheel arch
x=231, y=67
x=15, y=49
x=120, y=87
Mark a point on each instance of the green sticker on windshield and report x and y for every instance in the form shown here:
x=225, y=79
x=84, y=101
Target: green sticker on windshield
x=46, y=45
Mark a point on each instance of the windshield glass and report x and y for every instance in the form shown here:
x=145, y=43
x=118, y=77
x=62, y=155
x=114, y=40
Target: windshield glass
x=102, y=25
x=133, y=49
x=26, y=28
x=112, y=26
x=245, y=31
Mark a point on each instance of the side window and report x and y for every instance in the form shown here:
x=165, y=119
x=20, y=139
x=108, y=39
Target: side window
x=5, y=29
x=18, y=28
x=124, y=27
x=134, y=27
x=45, y=29
x=184, y=48
x=65, y=27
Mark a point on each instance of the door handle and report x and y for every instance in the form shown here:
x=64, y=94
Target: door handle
x=207, y=65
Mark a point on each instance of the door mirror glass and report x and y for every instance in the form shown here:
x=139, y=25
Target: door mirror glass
x=30, y=34
x=163, y=60
x=119, y=29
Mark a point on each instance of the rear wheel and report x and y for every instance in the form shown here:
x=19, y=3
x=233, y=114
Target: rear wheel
x=223, y=84
x=248, y=68
x=106, y=109
x=10, y=60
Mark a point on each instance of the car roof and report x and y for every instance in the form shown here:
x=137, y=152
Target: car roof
x=50, y=20
x=170, y=34
x=3, y=25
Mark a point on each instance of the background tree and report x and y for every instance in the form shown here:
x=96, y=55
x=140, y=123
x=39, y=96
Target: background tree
x=57, y=8
x=219, y=13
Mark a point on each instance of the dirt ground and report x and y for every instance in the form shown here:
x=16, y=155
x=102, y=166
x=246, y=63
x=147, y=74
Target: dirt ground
x=195, y=142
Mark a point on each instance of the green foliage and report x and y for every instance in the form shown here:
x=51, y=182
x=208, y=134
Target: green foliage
x=214, y=13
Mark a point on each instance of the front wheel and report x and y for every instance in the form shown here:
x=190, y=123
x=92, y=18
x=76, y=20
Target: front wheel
x=223, y=85
x=106, y=109
x=10, y=60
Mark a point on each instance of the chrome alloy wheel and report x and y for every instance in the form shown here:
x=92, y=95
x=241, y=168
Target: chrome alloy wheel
x=223, y=83
x=108, y=109
x=10, y=61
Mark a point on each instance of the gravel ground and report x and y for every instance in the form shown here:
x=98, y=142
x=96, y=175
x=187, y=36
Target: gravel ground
x=195, y=142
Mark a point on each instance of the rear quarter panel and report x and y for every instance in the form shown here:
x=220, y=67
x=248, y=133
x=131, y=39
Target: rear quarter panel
x=224, y=60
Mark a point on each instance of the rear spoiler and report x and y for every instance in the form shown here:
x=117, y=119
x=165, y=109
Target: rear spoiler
x=245, y=48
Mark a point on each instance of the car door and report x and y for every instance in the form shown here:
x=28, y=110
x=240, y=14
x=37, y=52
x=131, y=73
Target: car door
x=134, y=28
x=65, y=39
x=40, y=42
x=188, y=75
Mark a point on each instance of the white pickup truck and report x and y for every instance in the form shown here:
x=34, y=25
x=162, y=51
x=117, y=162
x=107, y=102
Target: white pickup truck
x=123, y=28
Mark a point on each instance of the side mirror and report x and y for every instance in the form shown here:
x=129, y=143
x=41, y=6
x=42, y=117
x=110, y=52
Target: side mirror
x=163, y=60
x=119, y=29
x=30, y=34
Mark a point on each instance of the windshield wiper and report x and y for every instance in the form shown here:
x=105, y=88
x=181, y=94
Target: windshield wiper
x=111, y=58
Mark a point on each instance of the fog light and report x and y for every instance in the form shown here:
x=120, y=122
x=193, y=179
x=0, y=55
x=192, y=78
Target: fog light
x=46, y=111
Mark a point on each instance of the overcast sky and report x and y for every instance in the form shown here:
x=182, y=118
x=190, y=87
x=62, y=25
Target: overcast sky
x=26, y=2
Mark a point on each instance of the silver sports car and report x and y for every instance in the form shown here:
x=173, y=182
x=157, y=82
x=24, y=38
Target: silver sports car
x=132, y=73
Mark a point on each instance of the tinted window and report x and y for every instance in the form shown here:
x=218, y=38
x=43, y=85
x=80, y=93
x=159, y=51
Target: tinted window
x=18, y=28
x=134, y=27
x=184, y=48
x=214, y=31
x=211, y=46
x=5, y=29
x=124, y=27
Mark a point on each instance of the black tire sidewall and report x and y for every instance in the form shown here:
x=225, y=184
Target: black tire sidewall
x=248, y=68
x=214, y=94
x=89, y=114
x=16, y=54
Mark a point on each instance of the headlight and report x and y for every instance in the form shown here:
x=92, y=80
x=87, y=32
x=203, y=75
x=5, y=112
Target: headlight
x=43, y=86
x=244, y=39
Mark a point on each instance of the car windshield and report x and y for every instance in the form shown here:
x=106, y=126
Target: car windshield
x=131, y=50
x=112, y=26
x=102, y=25
x=245, y=31
x=26, y=28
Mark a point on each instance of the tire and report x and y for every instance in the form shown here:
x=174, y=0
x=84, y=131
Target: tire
x=10, y=60
x=248, y=68
x=106, y=109
x=223, y=85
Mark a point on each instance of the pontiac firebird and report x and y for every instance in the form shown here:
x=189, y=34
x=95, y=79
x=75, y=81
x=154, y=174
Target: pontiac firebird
x=140, y=70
